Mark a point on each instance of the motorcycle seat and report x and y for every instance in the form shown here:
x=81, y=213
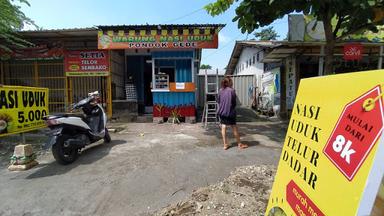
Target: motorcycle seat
x=79, y=115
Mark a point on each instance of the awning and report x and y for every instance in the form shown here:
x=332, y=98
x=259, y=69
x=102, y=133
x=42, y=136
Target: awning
x=277, y=54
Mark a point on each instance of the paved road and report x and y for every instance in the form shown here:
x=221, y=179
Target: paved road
x=146, y=167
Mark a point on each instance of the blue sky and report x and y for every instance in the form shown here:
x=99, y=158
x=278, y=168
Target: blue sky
x=56, y=14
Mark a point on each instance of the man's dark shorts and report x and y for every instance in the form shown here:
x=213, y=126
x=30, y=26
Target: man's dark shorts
x=228, y=120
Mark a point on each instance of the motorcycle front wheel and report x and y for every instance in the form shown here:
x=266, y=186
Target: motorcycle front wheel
x=64, y=155
x=107, y=137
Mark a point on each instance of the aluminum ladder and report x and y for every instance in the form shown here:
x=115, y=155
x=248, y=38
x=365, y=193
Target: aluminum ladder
x=211, y=106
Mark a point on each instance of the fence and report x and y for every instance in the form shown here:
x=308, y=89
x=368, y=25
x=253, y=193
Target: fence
x=50, y=74
x=244, y=85
x=79, y=88
x=47, y=74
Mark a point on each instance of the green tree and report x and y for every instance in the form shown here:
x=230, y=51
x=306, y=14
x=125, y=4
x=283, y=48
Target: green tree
x=340, y=17
x=205, y=66
x=12, y=19
x=266, y=34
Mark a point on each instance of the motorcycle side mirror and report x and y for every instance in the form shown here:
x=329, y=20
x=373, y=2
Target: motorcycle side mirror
x=93, y=93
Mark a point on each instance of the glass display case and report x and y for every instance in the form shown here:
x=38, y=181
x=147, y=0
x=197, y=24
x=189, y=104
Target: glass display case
x=161, y=81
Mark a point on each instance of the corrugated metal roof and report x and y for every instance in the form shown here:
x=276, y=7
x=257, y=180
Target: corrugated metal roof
x=240, y=45
x=285, y=48
x=319, y=43
x=159, y=26
x=92, y=31
x=62, y=30
x=70, y=32
x=210, y=72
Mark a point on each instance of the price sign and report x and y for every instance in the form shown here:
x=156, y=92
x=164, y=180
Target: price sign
x=22, y=109
x=355, y=133
x=332, y=158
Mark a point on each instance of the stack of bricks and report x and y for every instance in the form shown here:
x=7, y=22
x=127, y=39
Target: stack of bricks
x=23, y=158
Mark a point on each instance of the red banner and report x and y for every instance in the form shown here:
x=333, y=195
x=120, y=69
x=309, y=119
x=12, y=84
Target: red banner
x=353, y=52
x=300, y=203
x=355, y=133
x=86, y=63
x=39, y=51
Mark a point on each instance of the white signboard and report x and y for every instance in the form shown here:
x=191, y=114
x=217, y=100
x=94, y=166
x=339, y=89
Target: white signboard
x=180, y=85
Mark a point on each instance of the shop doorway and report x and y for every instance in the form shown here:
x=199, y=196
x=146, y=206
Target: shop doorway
x=148, y=98
x=139, y=73
x=307, y=70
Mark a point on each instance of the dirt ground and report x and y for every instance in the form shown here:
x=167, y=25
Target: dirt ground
x=245, y=192
x=146, y=168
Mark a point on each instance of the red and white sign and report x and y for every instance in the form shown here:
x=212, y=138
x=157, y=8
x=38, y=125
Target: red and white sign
x=300, y=202
x=86, y=63
x=355, y=134
x=353, y=52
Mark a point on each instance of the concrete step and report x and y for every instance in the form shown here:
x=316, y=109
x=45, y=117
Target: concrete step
x=144, y=118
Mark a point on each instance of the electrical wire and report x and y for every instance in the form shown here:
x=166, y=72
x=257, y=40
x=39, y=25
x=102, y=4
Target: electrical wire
x=182, y=17
x=228, y=43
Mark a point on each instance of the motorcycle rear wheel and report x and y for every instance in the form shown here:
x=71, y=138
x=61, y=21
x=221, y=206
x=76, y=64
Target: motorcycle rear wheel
x=64, y=155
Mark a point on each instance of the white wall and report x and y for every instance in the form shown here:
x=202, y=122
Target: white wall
x=256, y=68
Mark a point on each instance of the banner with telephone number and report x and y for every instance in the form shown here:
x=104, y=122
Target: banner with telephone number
x=22, y=109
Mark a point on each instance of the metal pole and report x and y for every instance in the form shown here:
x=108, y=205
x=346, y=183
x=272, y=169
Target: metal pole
x=205, y=85
x=22, y=138
x=203, y=116
x=217, y=80
x=192, y=70
x=321, y=61
x=380, y=64
x=153, y=73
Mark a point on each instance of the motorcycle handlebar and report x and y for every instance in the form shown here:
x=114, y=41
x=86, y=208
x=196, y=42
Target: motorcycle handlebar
x=93, y=98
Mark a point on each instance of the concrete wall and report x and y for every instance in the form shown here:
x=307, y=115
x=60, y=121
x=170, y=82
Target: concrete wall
x=244, y=86
x=252, y=67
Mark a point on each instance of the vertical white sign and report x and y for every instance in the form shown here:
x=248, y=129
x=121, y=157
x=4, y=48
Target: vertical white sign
x=291, y=81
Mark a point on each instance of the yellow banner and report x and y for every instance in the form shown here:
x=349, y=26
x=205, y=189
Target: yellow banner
x=332, y=158
x=22, y=109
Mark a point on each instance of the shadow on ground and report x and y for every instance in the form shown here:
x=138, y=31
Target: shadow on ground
x=88, y=156
x=249, y=123
x=244, y=114
x=248, y=115
x=249, y=143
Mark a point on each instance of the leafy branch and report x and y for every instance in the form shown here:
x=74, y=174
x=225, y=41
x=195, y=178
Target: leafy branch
x=12, y=19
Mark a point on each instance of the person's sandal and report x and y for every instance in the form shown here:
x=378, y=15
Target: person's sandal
x=226, y=147
x=243, y=146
